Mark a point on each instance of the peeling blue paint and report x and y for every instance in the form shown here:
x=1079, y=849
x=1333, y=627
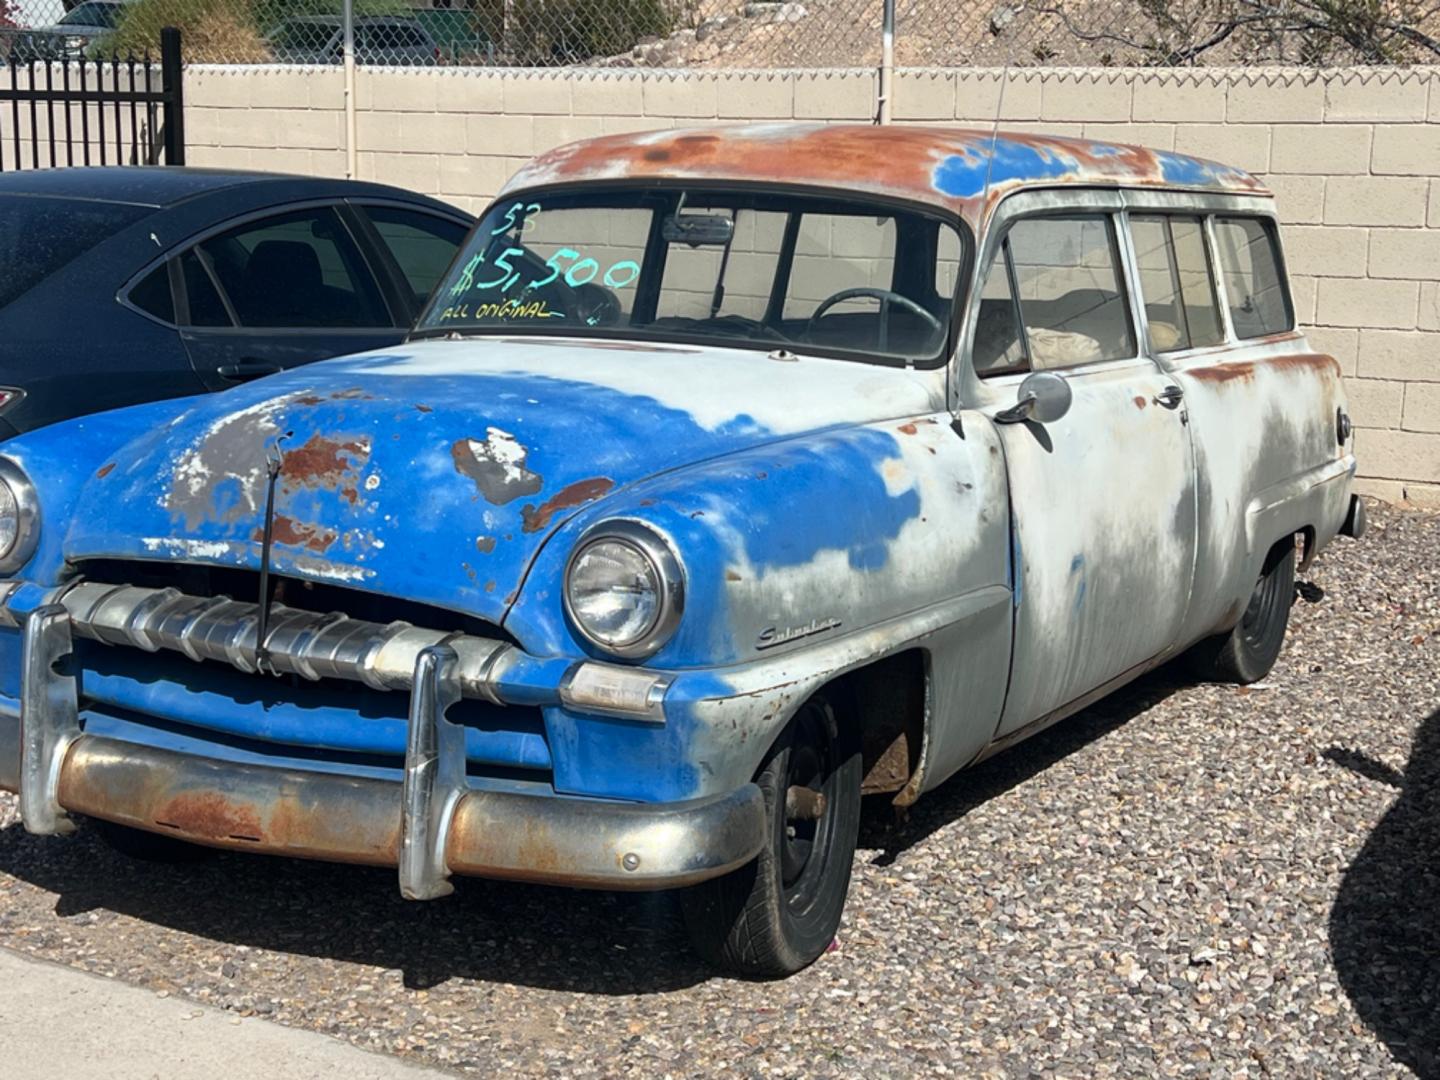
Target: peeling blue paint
x=963, y=176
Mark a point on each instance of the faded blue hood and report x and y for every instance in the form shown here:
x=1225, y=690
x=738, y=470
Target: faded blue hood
x=435, y=472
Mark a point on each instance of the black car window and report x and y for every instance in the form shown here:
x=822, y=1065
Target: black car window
x=303, y=35
x=206, y=307
x=423, y=245
x=152, y=294
x=39, y=235
x=296, y=269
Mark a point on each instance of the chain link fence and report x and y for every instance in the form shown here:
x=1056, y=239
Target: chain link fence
x=773, y=34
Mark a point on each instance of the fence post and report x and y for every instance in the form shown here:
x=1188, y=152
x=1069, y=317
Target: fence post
x=172, y=78
x=887, y=63
x=348, y=18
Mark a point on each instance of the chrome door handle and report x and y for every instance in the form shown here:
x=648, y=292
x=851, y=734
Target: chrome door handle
x=1170, y=397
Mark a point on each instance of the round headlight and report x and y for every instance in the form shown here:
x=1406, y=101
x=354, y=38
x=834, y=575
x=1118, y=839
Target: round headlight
x=19, y=517
x=623, y=589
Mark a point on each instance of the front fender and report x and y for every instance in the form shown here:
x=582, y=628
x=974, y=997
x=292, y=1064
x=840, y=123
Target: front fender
x=61, y=460
x=802, y=559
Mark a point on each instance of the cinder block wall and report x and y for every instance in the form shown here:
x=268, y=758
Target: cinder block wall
x=1353, y=155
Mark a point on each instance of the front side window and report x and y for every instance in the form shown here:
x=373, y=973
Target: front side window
x=423, y=244
x=1054, y=298
x=745, y=269
x=1179, y=293
x=1255, y=292
x=295, y=270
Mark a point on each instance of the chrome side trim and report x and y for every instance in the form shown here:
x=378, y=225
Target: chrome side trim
x=49, y=719
x=434, y=776
x=311, y=645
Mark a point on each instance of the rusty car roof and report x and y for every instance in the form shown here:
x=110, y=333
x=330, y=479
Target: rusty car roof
x=945, y=166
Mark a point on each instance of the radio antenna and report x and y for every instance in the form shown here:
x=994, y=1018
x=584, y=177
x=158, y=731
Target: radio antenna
x=995, y=134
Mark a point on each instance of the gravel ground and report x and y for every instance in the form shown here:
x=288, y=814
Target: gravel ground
x=1183, y=880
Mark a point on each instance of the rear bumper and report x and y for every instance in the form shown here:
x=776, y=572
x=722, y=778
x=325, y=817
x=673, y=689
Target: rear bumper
x=430, y=826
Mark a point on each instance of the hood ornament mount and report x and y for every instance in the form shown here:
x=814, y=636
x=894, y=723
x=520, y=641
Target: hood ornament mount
x=274, y=465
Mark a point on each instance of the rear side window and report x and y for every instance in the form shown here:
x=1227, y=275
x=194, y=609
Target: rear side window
x=40, y=235
x=423, y=245
x=1175, y=280
x=1054, y=298
x=1255, y=291
x=295, y=270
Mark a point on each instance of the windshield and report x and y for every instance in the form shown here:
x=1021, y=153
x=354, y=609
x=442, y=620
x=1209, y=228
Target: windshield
x=106, y=15
x=761, y=270
x=303, y=35
x=39, y=235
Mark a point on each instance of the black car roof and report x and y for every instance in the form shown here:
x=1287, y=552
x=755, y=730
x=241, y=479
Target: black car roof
x=165, y=186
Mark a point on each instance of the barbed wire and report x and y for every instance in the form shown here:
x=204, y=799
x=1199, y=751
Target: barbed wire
x=740, y=34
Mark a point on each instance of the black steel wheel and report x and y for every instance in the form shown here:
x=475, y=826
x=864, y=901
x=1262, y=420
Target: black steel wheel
x=780, y=913
x=1248, y=652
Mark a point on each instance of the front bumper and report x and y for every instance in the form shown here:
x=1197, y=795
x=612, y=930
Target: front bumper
x=430, y=826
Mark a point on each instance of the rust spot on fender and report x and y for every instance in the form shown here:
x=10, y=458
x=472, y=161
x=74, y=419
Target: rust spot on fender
x=106, y=470
x=485, y=544
x=309, y=399
x=324, y=462
x=210, y=815
x=297, y=534
x=567, y=498
x=424, y=409
x=908, y=429
x=1140, y=401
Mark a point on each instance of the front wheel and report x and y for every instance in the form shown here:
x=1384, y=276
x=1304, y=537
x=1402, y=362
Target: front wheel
x=780, y=912
x=1249, y=651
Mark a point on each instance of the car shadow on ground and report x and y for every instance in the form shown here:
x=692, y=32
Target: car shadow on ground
x=972, y=787
x=1385, y=924
x=585, y=942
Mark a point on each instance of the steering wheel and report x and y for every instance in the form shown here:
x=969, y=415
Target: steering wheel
x=886, y=298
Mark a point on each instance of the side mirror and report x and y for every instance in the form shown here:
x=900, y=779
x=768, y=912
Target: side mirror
x=1044, y=397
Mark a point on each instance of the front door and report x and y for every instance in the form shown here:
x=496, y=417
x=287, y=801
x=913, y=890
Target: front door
x=1103, y=499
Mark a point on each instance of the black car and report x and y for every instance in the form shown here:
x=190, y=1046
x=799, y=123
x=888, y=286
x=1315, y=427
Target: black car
x=124, y=285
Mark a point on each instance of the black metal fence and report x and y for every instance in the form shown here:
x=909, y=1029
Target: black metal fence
x=62, y=109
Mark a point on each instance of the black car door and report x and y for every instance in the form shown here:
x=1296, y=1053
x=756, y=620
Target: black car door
x=280, y=290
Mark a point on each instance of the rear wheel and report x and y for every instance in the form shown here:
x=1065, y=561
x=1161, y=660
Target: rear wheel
x=1248, y=652
x=148, y=846
x=778, y=914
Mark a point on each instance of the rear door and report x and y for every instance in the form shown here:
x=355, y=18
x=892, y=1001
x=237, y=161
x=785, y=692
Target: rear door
x=1103, y=499
x=280, y=290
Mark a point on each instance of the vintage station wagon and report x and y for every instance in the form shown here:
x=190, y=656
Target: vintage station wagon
x=731, y=475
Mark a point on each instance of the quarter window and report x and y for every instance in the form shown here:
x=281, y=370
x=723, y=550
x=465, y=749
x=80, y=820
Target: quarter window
x=1175, y=281
x=1060, y=279
x=152, y=294
x=1255, y=289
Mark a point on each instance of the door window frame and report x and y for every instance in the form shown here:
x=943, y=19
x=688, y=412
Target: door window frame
x=369, y=258
x=996, y=389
